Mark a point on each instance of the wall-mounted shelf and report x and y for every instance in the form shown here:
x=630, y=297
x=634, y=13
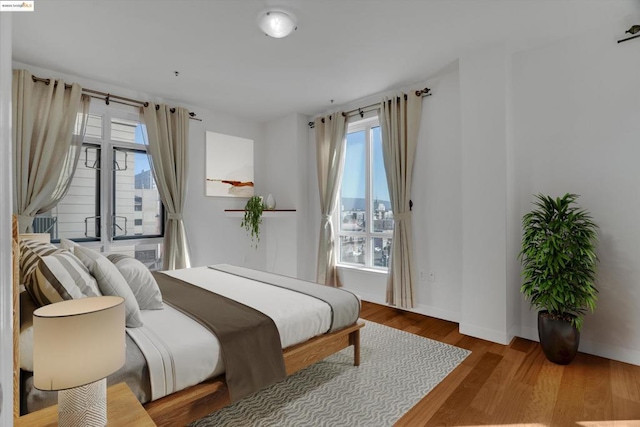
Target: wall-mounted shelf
x=276, y=213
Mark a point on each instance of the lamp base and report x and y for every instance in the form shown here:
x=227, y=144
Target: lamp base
x=84, y=406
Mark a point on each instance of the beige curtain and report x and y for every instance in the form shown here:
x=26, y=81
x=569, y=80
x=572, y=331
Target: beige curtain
x=49, y=121
x=330, y=150
x=400, y=122
x=168, y=139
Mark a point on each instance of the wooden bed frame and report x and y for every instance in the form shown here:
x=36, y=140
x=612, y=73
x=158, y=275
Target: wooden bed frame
x=209, y=396
x=15, y=251
x=201, y=399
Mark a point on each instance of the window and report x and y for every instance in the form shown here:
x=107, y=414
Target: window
x=111, y=204
x=365, y=217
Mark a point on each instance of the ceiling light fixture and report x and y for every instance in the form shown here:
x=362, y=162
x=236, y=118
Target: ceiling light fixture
x=277, y=24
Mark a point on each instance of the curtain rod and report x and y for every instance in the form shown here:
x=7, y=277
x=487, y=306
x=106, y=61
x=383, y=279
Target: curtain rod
x=107, y=97
x=629, y=38
x=360, y=111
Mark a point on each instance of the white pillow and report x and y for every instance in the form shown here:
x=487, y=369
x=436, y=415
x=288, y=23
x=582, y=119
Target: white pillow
x=26, y=349
x=27, y=307
x=110, y=282
x=67, y=244
x=140, y=280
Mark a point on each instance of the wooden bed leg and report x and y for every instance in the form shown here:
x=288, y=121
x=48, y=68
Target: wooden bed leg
x=354, y=340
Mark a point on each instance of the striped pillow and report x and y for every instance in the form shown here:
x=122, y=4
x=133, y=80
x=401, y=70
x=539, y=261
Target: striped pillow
x=62, y=276
x=30, y=253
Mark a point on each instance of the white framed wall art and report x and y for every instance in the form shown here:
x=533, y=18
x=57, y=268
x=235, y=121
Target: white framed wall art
x=229, y=166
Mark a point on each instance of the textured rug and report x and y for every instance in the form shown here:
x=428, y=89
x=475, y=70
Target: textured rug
x=397, y=369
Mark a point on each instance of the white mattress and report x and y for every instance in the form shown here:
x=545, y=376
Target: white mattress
x=180, y=352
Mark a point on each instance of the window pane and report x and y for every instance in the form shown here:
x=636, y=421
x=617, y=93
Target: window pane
x=353, y=249
x=76, y=215
x=380, y=201
x=150, y=254
x=381, y=251
x=352, y=192
x=137, y=205
x=126, y=131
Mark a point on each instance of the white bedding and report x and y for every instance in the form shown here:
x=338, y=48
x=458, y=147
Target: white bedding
x=181, y=353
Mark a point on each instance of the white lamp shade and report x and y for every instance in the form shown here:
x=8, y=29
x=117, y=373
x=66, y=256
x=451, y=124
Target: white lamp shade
x=277, y=24
x=78, y=342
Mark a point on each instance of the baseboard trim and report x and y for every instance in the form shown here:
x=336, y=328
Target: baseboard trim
x=492, y=335
x=436, y=312
x=514, y=331
x=620, y=354
x=427, y=310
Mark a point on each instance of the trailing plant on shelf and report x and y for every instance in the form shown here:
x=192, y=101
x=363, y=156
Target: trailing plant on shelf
x=559, y=267
x=253, y=218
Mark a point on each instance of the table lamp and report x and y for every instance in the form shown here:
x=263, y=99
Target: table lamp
x=76, y=345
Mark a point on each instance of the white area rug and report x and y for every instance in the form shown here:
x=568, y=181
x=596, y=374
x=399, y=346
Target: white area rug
x=397, y=369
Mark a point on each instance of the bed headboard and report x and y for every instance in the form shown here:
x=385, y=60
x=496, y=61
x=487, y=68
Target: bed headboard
x=16, y=318
x=15, y=246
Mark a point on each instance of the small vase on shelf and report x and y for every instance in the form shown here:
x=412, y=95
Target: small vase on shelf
x=270, y=203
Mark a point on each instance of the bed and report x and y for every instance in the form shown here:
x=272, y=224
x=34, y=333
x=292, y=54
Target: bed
x=303, y=338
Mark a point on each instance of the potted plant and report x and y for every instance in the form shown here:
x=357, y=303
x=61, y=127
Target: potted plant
x=253, y=218
x=559, y=266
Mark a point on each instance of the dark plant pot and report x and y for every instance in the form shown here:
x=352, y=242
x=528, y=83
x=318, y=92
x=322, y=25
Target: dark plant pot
x=559, y=339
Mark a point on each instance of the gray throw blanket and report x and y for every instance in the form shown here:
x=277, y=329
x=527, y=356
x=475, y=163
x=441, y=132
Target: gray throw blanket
x=249, y=340
x=345, y=306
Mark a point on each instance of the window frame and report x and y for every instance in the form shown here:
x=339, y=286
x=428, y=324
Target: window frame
x=109, y=241
x=96, y=144
x=135, y=149
x=105, y=203
x=358, y=124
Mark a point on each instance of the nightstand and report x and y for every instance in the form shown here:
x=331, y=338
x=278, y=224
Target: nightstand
x=123, y=409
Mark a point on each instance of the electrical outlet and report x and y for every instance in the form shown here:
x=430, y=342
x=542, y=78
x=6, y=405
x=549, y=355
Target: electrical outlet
x=432, y=276
x=422, y=275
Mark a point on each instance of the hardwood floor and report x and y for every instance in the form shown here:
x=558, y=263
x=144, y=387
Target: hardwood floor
x=515, y=384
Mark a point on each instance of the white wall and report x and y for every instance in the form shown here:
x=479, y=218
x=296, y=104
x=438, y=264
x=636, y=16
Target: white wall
x=280, y=160
x=437, y=198
x=556, y=119
x=437, y=211
x=306, y=226
x=498, y=128
x=213, y=237
x=309, y=252
x=483, y=106
x=577, y=129
x=6, y=286
x=284, y=179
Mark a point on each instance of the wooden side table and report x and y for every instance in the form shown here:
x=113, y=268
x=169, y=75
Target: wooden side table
x=123, y=409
